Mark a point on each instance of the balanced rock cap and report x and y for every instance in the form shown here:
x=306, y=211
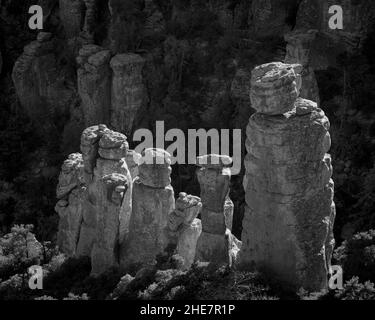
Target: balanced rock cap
x=275, y=87
x=214, y=161
x=153, y=156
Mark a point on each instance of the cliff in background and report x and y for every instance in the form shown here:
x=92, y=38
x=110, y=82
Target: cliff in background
x=185, y=62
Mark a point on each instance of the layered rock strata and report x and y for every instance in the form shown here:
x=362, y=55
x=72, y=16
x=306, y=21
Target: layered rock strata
x=152, y=203
x=216, y=243
x=289, y=214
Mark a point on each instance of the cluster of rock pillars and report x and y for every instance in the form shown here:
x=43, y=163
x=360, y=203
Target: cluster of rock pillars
x=119, y=207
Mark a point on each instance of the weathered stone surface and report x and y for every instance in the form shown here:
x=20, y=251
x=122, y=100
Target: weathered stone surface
x=70, y=190
x=132, y=160
x=215, y=243
x=275, y=87
x=155, y=169
x=71, y=16
x=228, y=213
x=104, y=254
x=113, y=146
x=152, y=204
x=218, y=248
x=187, y=242
x=269, y=17
x=128, y=91
x=40, y=81
x=183, y=227
x=89, y=148
x=287, y=227
x=298, y=52
x=70, y=219
x=94, y=84
x=240, y=86
x=105, y=200
x=121, y=286
x=214, y=181
x=358, y=16
x=71, y=175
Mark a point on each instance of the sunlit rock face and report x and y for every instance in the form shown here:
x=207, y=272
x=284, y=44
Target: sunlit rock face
x=95, y=192
x=152, y=203
x=216, y=243
x=289, y=215
x=94, y=84
x=184, y=228
x=105, y=253
x=70, y=192
x=128, y=91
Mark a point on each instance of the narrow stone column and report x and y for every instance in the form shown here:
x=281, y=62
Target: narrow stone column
x=104, y=152
x=70, y=192
x=289, y=214
x=153, y=201
x=184, y=228
x=127, y=90
x=105, y=254
x=298, y=49
x=216, y=243
x=94, y=84
x=71, y=16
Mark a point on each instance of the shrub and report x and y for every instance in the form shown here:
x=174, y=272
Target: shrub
x=354, y=290
x=357, y=256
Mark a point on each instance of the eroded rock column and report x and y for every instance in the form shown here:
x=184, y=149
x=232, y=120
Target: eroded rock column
x=111, y=192
x=184, y=228
x=216, y=243
x=128, y=91
x=94, y=84
x=287, y=227
x=153, y=201
x=70, y=192
x=104, y=152
x=71, y=15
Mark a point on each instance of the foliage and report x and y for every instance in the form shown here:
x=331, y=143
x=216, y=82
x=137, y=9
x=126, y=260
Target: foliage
x=357, y=256
x=354, y=290
x=18, y=251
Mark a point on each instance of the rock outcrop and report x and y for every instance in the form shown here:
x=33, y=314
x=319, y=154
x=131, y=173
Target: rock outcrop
x=152, y=203
x=72, y=16
x=289, y=214
x=39, y=81
x=94, y=84
x=298, y=52
x=70, y=192
x=184, y=228
x=95, y=190
x=216, y=243
x=270, y=17
x=128, y=92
